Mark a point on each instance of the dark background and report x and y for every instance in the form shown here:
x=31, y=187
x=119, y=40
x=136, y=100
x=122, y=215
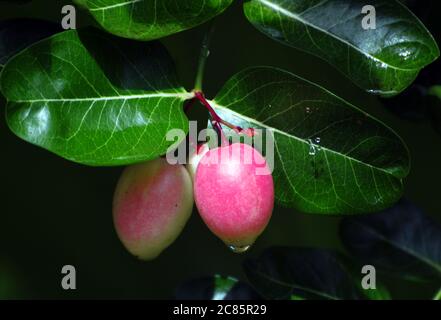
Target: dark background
x=54, y=212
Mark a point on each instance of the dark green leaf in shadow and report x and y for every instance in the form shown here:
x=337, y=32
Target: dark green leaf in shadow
x=401, y=240
x=330, y=157
x=384, y=60
x=152, y=19
x=17, y=34
x=94, y=98
x=300, y=273
x=215, y=288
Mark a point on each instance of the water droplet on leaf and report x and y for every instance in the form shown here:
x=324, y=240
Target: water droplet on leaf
x=312, y=148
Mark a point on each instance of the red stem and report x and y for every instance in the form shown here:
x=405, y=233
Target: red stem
x=216, y=121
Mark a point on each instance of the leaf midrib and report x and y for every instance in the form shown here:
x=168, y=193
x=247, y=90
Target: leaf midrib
x=307, y=23
x=183, y=96
x=215, y=105
x=115, y=5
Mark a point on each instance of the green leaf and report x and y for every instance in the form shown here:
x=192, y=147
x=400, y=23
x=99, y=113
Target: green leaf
x=329, y=157
x=215, y=287
x=152, y=19
x=382, y=61
x=300, y=273
x=94, y=98
x=402, y=241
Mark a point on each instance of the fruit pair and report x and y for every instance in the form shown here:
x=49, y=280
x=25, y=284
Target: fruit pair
x=233, y=190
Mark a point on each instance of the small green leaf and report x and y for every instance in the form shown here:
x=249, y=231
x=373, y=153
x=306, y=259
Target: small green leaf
x=215, y=287
x=94, y=98
x=384, y=60
x=329, y=157
x=222, y=285
x=152, y=19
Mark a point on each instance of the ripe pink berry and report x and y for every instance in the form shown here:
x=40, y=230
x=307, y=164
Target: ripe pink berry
x=234, y=193
x=152, y=203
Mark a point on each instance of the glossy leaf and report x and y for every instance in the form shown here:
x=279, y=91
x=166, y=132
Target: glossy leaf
x=215, y=288
x=329, y=157
x=384, y=60
x=17, y=34
x=93, y=98
x=151, y=19
x=400, y=240
x=300, y=273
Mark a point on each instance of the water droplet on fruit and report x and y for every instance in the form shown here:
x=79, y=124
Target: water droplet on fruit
x=239, y=249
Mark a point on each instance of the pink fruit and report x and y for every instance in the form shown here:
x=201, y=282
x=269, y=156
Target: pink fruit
x=234, y=193
x=151, y=205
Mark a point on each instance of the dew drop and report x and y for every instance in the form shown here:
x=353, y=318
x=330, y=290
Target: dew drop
x=312, y=148
x=308, y=110
x=239, y=249
x=317, y=142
